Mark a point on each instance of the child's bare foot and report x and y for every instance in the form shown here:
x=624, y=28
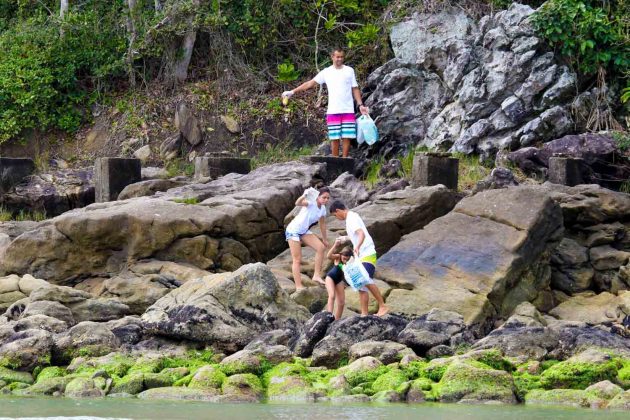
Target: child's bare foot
x=319, y=280
x=382, y=310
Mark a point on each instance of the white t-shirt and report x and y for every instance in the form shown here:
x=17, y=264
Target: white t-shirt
x=354, y=223
x=305, y=218
x=339, y=83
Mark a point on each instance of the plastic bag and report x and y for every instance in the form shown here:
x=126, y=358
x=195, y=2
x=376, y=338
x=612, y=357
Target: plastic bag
x=311, y=195
x=355, y=274
x=366, y=129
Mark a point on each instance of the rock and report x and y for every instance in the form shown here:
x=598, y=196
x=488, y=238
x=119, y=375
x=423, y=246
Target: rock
x=620, y=402
x=391, y=169
x=42, y=322
x=463, y=382
x=152, y=172
x=604, y=308
x=605, y=390
x=312, y=332
x=243, y=388
x=9, y=298
x=83, y=388
x=598, y=151
x=99, y=310
x=26, y=350
x=568, y=397
x=188, y=124
x=606, y=257
x=131, y=384
x=171, y=147
x=208, y=378
x=353, y=301
x=285, y=383
x=148, y=188
x=385, y=351
x=283, y=337
x=231, y=124
x=48, y=386
x=243, y=212
x=61, y=294
x=432, y=329
x=495, y=261
x=178, y=393
x=346, y=332
x=52, y=193
x=139, y=292
x=51, y=309
x=127, y=330
x=349, y=189
x=9, y=284
x=225, y=309
x=440, y=351
x=498, y=178
x=143, y=153
x=312, y=298
x=10, y=376
x=29, y=283
x=86, y=338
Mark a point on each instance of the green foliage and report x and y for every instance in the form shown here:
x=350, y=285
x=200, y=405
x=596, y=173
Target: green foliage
x=287, y=72
x=373, y=172
x=622, y=138
x=589, y=33
x=178, y=167
x=193, y=200
x=578, y=375
x=363, y=36
x=625, y=95
x=50, y=69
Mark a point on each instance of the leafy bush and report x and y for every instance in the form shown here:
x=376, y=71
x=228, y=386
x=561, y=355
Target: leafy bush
x=589, y=33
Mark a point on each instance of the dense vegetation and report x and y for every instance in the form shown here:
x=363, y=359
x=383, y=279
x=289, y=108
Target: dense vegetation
x=60, y=57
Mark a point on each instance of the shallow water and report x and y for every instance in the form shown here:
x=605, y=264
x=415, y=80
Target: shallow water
x=139, y=409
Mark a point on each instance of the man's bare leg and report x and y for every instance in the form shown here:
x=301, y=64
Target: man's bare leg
x=364, y=300
x=334, y=148
x=346, y=147
x=382, y=308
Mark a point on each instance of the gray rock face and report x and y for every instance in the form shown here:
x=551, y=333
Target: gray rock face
x=225, y=310
x=313, y=331
x=27, y=349
x=53, y=193
x=148, y=188
x=89, y=338
x=239, y=219
x=470, y=86
x=430, y=330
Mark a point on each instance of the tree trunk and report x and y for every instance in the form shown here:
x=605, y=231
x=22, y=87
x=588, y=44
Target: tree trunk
x=132, y=33
x=181, y=65
x=63, y=9
x=158, y=5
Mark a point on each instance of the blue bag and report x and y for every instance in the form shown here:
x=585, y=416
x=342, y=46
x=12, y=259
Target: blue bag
x=366, y=130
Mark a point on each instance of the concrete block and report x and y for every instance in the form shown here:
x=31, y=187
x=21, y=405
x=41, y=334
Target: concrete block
x=566, y=170
x=13, y=171
x=112, y=175
x=216, y=166
x=433, y=169
x=335, y=166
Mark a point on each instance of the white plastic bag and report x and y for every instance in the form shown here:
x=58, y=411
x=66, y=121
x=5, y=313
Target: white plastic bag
x=360, y=136
x=355, y=274
x=311, y=195
x=366, y=129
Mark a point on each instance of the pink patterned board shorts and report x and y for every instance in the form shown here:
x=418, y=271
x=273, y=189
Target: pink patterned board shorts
x=341, y=126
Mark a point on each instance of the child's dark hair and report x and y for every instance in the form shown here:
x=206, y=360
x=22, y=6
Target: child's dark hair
x=323, y=190
x=346, y=251
x=337, y=205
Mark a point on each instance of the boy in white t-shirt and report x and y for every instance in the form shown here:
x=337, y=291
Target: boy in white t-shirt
x=342, y=88
x=364, y=250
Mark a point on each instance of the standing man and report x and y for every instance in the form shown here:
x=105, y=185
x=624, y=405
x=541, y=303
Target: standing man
x=342, y=87
x=364, y=250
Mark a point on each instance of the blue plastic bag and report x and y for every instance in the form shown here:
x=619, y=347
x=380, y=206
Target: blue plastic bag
x=366, y=130
x=355, y=274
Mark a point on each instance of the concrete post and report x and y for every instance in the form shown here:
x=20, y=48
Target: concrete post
x=13, y=171
x=433, y=169
x=216, y=166
x=566, y=170
x=112, y=175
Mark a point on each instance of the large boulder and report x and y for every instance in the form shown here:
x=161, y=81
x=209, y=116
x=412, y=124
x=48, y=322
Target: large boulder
x=604, y=308
x=481, y=260
x=26, y=350
x=84, y=339
x=225, y=310
x=238, y=218
x=473, y=87
x=148, y=187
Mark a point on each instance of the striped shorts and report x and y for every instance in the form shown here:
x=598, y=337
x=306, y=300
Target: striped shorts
x=341, y=126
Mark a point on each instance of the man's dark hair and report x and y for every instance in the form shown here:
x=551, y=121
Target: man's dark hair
x=323, y=190
x=337, y=48
x=337, y=205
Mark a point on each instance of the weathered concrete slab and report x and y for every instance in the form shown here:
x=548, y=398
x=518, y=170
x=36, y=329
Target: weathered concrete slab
x=13, y=171
x=434, y=169
x=112, y=175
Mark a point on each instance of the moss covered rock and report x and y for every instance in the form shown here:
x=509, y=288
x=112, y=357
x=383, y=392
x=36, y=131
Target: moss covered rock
x=365, y=369
x=178, y=393
x=244, y=361
x=621, y=401
x=475, y=382
x=167, y=377
x=568, y=397
x=386, y=397
x=581, y=370
x=83, y=388
x=288, y=382
x=419, y=390
x=130, y=384
x=48, y=386
x=244, y=387
x=51, y=372
x=13, y=387
x=389, y=381
x=605, y=389
x=208, y=377
x=8, y=376
x=114, y=364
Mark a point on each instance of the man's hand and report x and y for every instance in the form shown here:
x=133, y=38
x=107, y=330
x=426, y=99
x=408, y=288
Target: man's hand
x=287, y=93
x=364, y=110
x=326, y=243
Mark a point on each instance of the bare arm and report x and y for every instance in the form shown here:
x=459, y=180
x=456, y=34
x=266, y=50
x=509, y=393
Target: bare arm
x=356, y=93
x=301, y=201
x=305, y=86
x=360, y=238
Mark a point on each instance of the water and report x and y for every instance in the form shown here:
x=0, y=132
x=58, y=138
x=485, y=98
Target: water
x=139, y=409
